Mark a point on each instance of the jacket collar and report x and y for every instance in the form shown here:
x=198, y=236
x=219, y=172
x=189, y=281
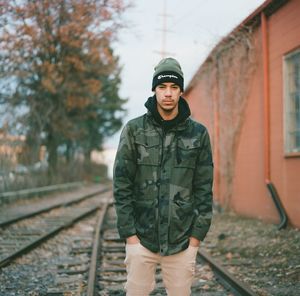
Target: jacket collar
x=178, y=122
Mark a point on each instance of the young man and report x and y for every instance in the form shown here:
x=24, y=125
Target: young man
x=163, y=178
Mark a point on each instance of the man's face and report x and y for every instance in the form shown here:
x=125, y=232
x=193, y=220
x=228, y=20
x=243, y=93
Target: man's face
x=167, y=95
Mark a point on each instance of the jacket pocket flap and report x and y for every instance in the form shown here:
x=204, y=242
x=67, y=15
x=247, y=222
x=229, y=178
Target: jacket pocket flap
x=147, y=141
x=188, y=144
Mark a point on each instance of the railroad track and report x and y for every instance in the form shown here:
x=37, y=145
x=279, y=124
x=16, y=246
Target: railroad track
x=10, y=215
x=19, y=237
x=66, y=257
x=87, y=258
x=210, y=279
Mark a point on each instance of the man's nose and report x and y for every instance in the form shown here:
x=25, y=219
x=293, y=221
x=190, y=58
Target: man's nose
x=168, y=91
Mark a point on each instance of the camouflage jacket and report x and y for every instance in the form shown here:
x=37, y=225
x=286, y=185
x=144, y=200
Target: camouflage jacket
x=163, y=183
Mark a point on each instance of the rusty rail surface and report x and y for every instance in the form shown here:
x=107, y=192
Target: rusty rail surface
x=237, y=287
x=95, y=251
x=48, y=206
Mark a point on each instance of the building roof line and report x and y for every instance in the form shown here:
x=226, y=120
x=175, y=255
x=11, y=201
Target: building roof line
x=268, y=7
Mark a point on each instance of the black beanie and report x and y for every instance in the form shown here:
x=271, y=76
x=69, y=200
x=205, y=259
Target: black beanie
x=168, y=70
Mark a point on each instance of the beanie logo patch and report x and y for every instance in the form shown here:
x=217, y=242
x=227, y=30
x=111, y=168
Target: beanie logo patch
x=167, y=76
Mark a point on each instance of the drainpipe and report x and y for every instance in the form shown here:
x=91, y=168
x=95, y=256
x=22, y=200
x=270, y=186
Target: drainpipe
x=266, y=87
x=216, y=142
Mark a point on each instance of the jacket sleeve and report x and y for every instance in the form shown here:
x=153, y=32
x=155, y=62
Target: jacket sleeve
x=123, y=180
x=202, y=189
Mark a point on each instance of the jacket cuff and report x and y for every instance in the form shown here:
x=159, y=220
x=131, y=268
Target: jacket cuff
x=126, y=231
x=199, y=233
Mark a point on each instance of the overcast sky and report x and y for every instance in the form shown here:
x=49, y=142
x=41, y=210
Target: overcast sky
x=195, y=28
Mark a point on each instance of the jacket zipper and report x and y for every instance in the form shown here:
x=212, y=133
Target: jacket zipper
x=162, y=136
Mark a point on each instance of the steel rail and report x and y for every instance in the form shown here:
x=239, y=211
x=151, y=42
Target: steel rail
x=237, y=287
x=39, y=190
x=49, y=207
x=32, y=244
x=96, y=250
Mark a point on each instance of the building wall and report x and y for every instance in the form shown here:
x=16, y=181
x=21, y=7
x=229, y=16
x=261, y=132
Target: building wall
x=284, y=36
x=10, y=148
x=249, y=194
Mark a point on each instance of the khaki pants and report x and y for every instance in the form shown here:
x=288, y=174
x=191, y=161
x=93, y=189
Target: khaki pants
x=177, y=271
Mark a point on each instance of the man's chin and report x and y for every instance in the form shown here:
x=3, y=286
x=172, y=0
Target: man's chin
x=168, y=109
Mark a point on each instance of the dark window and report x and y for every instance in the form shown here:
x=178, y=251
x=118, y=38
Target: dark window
x=292, y=102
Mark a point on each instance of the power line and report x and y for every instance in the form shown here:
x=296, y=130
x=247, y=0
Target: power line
x=189, y=13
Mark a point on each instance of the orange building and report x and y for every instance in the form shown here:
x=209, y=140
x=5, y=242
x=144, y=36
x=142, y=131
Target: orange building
x=247, y=93
x=10, y=147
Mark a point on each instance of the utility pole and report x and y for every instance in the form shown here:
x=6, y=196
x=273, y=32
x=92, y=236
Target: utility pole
x=163, y=52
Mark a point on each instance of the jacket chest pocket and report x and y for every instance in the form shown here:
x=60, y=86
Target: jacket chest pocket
x=186, y=153
x=148, y=150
